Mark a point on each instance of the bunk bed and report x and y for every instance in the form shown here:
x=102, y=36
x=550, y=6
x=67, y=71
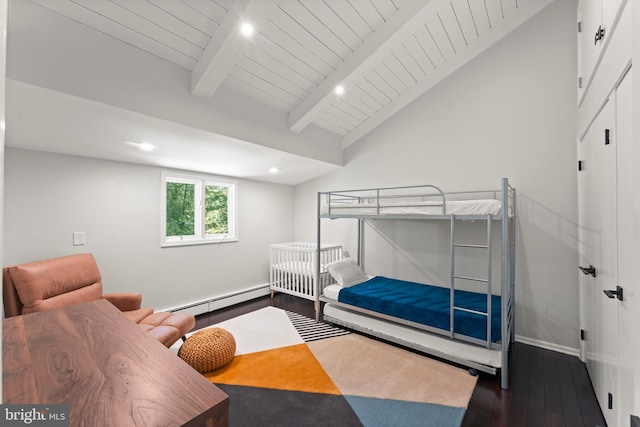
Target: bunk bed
x=471, y=327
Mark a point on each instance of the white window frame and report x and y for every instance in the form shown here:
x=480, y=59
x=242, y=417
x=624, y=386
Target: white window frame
x=200, y=237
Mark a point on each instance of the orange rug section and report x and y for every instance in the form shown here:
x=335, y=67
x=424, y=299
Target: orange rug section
x=293, y=368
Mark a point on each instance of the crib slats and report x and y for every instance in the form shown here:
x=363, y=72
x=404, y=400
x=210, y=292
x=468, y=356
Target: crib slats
x=293, y=268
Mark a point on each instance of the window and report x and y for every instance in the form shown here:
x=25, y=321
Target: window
x=198, y=210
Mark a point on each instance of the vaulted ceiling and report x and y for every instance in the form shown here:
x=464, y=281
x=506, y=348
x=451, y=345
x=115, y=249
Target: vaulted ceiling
x=384, y=53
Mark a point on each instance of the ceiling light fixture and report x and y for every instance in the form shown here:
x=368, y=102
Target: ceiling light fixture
x=339, y=90
x=247, y=29
x=146, y=146
x=274, y=170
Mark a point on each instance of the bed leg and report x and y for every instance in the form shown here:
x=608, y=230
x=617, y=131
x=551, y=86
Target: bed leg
x=272, y=293
x=315, y=306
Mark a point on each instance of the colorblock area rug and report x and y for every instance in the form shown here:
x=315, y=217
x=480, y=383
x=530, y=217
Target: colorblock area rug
x=291, y=371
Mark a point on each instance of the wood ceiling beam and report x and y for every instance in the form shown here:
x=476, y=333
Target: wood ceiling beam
x=226, y=46
x=525, y=11
x=367, y=56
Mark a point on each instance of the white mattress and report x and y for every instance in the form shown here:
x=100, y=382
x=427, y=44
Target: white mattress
x=332, y=292
x=454, y=207
x=434, y=344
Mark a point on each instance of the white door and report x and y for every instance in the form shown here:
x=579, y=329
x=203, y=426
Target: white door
x=628, y=254
x=590, y=18
x=599, y=249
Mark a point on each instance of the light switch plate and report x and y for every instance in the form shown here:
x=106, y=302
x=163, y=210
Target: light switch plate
x=78, y=238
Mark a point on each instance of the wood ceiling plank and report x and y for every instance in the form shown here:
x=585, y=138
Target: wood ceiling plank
x=350, y=110
x=263, y=85
x=210, y=9
x=480, y=16
x=107, y=26
x=254, y=53
x=351, y=18
x=428, y=45
x=369, y=13
x=439, y=35
x=258, y=93
x=381, y=84
x=354, y=98
x=385, y=8
x=418, y=54
x=409, y=63
x=167, y=21
x=294, y=46
x=399, y=71
x=509, y=8
x=333, y=22
x=284, y=56
x=270, y=77
x=133, y=22
x=452, y=27
x=330, y=126
x=302, y=26
x=364, y=96
x=339, y=118
x=494, y=11
x=187, y=14
x=465, y=19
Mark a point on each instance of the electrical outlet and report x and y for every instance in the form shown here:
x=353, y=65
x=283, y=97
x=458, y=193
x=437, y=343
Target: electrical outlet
x=78, y=238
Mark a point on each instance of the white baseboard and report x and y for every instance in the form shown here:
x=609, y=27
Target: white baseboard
x=549, y=346
x=221, y=301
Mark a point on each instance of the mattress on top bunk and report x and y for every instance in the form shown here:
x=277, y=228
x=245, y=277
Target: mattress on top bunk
x=424, y=304
x=453, y=207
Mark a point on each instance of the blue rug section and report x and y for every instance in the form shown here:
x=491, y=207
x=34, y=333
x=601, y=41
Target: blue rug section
x=397, y=413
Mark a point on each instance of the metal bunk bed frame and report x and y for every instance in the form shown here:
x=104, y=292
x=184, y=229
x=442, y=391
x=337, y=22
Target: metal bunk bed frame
x=506, y=217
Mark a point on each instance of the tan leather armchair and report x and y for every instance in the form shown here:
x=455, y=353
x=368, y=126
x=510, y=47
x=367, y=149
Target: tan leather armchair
x=59, y=282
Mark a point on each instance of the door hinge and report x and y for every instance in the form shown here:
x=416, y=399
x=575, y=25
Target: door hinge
x=606, y=136
x=583, y=335
x=610, y=403
x=580, y=26
x=579, y=82
x=579, y=165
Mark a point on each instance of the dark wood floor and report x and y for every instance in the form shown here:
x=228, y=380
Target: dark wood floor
x=546, y=388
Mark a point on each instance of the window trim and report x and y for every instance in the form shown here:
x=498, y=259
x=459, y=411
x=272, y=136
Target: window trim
x=200, y=237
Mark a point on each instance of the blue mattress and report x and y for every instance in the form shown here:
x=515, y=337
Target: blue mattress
x=425, y=304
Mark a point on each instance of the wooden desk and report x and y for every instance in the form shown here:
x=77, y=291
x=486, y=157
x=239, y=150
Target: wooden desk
x=109, y=371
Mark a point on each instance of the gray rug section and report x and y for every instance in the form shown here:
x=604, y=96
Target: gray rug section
x=310, y=330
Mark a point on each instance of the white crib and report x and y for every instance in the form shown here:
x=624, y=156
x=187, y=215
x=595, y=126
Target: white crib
x=293, y=268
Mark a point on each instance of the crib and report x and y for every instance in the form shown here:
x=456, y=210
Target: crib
x=293, y=268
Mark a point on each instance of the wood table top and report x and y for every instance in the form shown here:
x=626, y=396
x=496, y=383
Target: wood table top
x=106, y=368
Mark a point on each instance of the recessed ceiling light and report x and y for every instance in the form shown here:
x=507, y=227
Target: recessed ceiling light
x=146, y=146
x=247, y=29
x=274, y=170
x=339, y=90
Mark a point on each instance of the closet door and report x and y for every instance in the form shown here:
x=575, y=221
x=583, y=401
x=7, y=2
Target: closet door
x=590, y=22
x=628, y=253
x=599, y=249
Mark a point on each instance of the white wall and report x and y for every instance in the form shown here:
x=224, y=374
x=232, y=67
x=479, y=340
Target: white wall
x=511, y=112
x=117, y=205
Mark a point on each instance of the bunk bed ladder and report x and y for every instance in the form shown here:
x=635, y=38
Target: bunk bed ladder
x=452, y=307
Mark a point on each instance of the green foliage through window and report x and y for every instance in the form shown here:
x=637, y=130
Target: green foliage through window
x=216, y=210
x=180, y=209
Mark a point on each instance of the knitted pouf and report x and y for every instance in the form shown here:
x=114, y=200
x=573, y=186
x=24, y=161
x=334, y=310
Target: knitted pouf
x=208, y=349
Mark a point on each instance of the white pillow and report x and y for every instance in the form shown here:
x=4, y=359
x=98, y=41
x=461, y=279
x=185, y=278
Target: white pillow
x=346, y=272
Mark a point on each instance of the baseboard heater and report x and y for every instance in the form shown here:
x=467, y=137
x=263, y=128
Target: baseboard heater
x=221, y=301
